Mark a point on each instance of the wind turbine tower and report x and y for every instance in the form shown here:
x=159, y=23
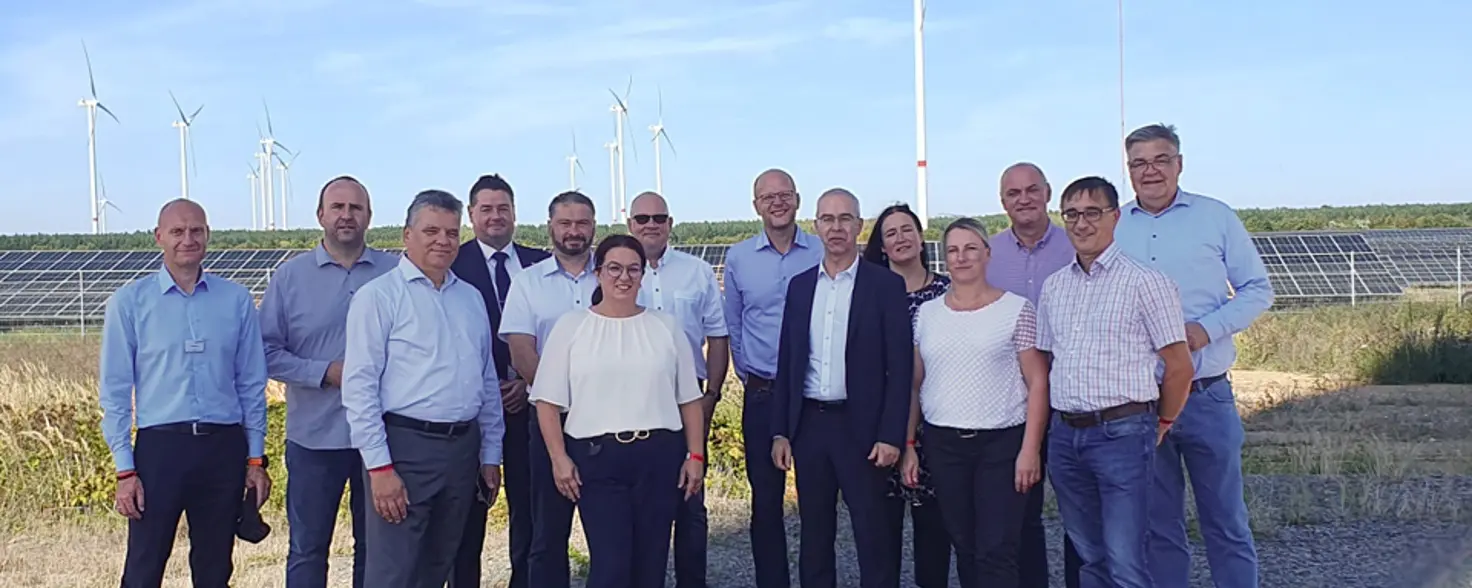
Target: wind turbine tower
x=284, y=166
x=263, y=172
x=612, y=183
x=573, y=165
x=183, y=125
x=269, y=144
x=658, y=130
x=255, y=210
x=922, y=195
x=92, y=104
x=620, y=110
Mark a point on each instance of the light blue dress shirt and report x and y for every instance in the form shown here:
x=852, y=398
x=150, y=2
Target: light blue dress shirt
x=420, y=352
x=542, y=294
x=304, y=323
x=685, y=286
x=181, y=358
x=827, y=375
x=1201, y=244
x=756, y=289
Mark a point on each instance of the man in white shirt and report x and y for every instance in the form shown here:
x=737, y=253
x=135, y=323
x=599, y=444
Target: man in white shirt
x=684, y=286
x=488, y=262
x=423, y=400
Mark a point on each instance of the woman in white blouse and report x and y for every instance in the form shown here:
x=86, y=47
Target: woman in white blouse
x=982, y=388
x=625, y=375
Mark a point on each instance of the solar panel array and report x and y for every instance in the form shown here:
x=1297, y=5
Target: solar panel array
x=39, y=287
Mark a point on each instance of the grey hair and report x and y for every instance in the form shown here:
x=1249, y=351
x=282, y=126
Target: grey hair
x=433, y=199
x=842, y=192
x=1153, y=132
x=966, y=223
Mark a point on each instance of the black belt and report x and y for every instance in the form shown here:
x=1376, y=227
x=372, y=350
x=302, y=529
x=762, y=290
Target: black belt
x=433, y=428
x=195, y=428
x=1207, y=382
x=755, y=383
x=1084, y=420
x=825, y=405
x=626, y=437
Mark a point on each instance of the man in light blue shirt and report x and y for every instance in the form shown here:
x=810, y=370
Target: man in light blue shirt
x=423, y=400
x=685, y=286
x=1201, y=244
x=756, y=276
x=181, y=353
x=304, y=324
x=539, y=295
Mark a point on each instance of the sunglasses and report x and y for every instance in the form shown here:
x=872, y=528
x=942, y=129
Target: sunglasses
x=644, y=219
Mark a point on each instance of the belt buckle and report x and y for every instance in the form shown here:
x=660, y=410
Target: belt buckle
x=968, y=433
x=639, y=435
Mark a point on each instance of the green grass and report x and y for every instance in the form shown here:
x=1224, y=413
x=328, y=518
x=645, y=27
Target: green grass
x=1405, y=343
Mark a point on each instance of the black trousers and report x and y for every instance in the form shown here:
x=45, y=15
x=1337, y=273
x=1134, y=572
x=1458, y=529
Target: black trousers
x=628, y=501
x=516, y=479
x=199, y=476
x=551, y=516
x=768, y=489
x=974, y=475
x=930, y=542
x=1033, y=562
x=829, y=462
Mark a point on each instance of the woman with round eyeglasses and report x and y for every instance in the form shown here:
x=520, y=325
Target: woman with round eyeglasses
x=983, y=398
x=898, y=242
x=633, y=439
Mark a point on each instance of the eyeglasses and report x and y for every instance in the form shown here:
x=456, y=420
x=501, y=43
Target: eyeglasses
x=1091, y=213
x=644, y=219
x=617, y=271
x=829, y=220
x=769, y=198
x=1159, y=162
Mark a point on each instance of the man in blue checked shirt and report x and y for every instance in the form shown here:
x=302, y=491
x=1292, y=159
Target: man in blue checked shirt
x=1201, y=244
x=181, y=352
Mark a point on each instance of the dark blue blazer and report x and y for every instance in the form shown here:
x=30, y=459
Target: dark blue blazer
x=470, y=265
x=879, y=362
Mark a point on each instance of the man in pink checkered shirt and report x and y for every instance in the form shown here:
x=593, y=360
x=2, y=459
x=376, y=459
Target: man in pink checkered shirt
x=1108, y=322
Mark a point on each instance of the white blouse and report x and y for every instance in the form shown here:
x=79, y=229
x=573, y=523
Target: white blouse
x=616, y=374
x=973, y=377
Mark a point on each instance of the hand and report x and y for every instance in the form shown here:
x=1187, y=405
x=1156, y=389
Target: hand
x=1160, y=433
x=910, y=467
x=491, y=474
x=884, y=455
x=692, y=475
x=782, y=454
x=129, y=501
x=513, y=395
x=1029, y=470
x=1196, y=336
x=333, y=377
x=257, y=478
x=565, y=473
x=390, y=498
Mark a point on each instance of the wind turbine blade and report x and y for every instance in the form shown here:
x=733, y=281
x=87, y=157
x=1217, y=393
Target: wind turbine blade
x=196, y=113
x=579, y=163
x=620, y=101
x=667, y=141
x=630, y=87
x=193, y=161
x=114, y=206
x=259, y=133
x=182, y=118
x=109, y=113
x=268, y=118
x=281, y=147
x=91, y=82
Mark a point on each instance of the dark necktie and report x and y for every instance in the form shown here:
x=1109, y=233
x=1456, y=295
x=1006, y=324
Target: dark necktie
x=499, y=351
x=503, y=279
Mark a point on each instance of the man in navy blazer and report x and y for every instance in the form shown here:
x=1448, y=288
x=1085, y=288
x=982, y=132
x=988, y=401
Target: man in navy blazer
x=488, y=262
x=845, y=365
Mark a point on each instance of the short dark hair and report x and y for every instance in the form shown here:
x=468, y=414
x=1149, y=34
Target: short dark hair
x=491, y=182
x=571, y=197
x=322, y=194
x=874, y=249
x=610, y=243
x=432, y=199
x=1090, y=184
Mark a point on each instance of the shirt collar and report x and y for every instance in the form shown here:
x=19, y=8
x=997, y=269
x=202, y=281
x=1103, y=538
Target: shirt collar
x=1105, y=260
x=412, y=273
x=166, y=281
x=322, y=257
x=509, y=250
x=1183, y=198
x=554, y=267
x=799, y=239
x=852, y=271
x=1048, y=235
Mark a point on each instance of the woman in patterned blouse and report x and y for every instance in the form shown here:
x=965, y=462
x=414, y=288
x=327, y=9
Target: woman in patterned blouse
x=898, y=242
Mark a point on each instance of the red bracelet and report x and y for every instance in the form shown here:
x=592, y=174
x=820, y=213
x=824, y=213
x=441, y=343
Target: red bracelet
x=1165, y=421
x=697, y=457
x=910, y=443
x=381, y=468
x=125, y=474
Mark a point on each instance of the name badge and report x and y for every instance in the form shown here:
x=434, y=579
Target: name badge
x=194, y=346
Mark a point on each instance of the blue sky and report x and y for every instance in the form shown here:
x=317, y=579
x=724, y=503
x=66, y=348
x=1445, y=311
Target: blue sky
x=1289, y=103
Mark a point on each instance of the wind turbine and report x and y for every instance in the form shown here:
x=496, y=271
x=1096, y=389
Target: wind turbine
x=922, y=195
x=573, y=165
x=612, y=183
x=263, y=175
x=658, y=130
x=91, y=103
x=103, y=203
x=269, y=144
x=285, y=168
x=620, y=110
x=184, y=145
x=255, y=211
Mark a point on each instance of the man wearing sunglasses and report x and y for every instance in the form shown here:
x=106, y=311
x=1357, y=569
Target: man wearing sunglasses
x=684, y=286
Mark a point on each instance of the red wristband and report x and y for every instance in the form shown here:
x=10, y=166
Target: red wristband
x=125, y=474
x=382, y=468
x=910, y=443
x=1165, y=421
x=697, y=457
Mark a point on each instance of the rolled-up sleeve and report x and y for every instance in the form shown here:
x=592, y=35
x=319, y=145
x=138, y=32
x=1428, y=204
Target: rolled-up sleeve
x=687, y=383
x=250, y=377
x=713, y=321
x=368, y=324
x=116, y=376
x=516, y=316
x=282, y=362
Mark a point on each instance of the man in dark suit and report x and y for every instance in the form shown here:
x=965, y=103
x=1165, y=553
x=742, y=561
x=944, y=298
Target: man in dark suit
x=845, y=366
x=488, y=262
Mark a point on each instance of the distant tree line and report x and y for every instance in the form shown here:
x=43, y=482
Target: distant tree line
x=1387, y=216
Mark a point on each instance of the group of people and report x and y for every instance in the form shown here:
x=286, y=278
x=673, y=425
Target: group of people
x=1094, y=354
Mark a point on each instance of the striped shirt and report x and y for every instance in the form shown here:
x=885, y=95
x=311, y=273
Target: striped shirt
x=1105, y=328
x=1020, y=270
x=973, y=375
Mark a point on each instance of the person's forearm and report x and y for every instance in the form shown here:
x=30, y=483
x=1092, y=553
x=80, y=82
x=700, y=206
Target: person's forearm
x=524, y=356
x=1038, y=414
x=692, y=418
x=1175, y=386
x=717, y=362
x=549, y=418
x=914, y=421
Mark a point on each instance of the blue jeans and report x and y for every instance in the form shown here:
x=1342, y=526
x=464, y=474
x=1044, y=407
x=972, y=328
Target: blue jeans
x=315, y=479
x=1102, y=476
x=1208, y=438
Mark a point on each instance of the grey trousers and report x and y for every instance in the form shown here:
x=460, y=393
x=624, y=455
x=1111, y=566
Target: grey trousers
x=438, y=472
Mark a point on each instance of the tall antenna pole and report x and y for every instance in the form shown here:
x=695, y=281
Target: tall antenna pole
x=921, y=184
x=1123, y=156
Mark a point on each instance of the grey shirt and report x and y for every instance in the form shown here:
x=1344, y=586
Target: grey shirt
x=304, y=325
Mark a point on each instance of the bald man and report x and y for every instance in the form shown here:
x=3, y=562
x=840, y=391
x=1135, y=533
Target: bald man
x=182, y=352
x=842, y=397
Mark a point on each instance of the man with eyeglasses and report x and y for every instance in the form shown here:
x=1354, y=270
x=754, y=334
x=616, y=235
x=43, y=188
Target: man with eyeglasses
x=756, y=275
x=684, y=286
x=1108, y=321
x=1202, y=245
